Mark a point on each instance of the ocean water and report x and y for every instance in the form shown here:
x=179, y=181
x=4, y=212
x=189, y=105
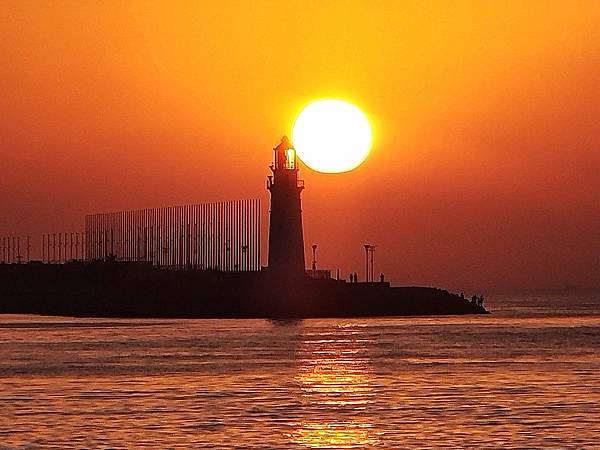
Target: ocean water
x=526, y=376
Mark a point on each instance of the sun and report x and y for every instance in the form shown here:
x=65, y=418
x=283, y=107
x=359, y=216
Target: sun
x=332, y=136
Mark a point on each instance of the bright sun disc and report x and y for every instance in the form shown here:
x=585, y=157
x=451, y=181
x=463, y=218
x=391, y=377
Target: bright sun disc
x=332, y=136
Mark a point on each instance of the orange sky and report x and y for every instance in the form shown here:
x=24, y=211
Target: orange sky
x=485, y=169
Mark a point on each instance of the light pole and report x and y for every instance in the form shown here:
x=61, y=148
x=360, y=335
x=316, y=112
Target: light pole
x=367, y=248
x=372, y=250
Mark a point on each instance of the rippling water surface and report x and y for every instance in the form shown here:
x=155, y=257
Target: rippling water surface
x=526, y=376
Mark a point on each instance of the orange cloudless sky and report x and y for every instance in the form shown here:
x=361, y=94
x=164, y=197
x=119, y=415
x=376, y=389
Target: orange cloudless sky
x=485, y=168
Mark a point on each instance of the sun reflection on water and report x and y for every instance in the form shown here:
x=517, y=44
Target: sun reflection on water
x=336, y=389
x=334, y=435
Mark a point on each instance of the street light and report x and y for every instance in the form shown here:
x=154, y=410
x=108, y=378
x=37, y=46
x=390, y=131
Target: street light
x=367, y=248
x=372, y=250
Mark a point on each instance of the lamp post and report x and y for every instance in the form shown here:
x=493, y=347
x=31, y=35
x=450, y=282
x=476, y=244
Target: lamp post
x=372, y=250
x=367, y=249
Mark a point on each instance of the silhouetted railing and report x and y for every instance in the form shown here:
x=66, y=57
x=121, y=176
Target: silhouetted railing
x=62, y=247
x=15, y=249
x=221, y=236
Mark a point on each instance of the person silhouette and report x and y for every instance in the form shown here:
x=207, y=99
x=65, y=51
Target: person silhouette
x=381, y=277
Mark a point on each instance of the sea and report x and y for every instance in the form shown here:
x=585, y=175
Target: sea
x=525, y=376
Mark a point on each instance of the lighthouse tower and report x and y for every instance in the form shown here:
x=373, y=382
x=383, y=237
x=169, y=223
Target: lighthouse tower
x=286, y=240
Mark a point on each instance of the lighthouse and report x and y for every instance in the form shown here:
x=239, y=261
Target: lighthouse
x=286, y=240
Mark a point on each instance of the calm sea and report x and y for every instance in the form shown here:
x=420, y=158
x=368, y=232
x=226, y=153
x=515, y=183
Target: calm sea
x=526, y=376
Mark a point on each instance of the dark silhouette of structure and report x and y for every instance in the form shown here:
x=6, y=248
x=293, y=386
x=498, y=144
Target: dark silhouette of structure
x=220, y=236
x=136, y=289
x=369, y=252
x=58, y=248
x=11, y=252
x=203, y=261
x=286, y=239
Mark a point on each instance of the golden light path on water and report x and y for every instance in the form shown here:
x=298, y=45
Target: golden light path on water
x=335, y=379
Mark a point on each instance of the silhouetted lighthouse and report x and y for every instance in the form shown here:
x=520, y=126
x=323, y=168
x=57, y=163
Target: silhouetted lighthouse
x=286, y=241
